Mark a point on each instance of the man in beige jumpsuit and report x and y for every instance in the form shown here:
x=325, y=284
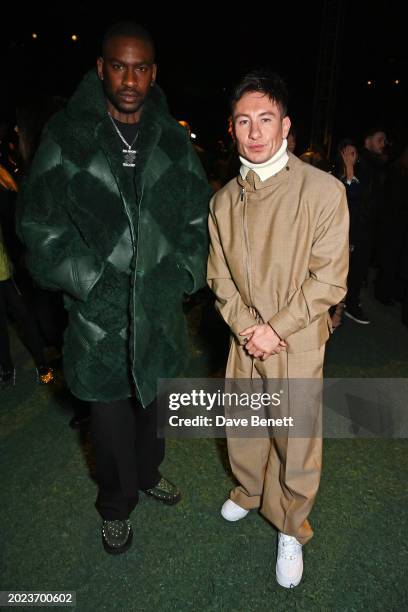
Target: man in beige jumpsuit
x=278, y=261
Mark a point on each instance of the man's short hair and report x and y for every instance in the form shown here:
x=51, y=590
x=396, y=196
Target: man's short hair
x=266, y=82
x=372, y=131
x=126, y=29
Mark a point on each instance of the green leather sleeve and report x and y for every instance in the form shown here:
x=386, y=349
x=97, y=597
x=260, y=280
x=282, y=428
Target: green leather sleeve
x=56, y=254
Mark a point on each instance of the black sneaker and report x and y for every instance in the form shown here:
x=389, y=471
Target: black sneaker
x=165, y=491
x=117, y=536
x=357, y=314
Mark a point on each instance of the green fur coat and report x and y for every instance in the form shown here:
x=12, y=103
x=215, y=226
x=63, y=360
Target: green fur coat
x=123, y=247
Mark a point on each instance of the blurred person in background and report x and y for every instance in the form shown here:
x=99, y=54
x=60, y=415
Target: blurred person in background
x=392, y=274
x=372, y=168
x=392, y=243
x=359, y=236
x=13, y=303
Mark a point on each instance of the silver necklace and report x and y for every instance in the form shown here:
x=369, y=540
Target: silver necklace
x=129, y=154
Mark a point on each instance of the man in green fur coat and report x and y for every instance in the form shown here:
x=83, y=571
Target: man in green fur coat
x=114, y=214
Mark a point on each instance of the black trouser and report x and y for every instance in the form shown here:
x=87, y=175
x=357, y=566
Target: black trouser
x=48, y=308
x=11, y=301
x=127, y=453
x=51, y=316
x=360, y=248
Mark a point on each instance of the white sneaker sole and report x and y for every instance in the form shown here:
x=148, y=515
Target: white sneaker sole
x=287, y=584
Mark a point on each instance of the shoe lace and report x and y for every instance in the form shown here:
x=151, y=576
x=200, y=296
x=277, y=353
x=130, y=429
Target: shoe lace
x=289, y=547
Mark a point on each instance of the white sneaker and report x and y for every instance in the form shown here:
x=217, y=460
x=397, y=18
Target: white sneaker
x=289, y=564
x=232, y=512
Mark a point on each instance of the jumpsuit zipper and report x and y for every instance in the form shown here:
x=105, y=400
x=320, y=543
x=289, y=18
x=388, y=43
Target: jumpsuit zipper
x=246, y=241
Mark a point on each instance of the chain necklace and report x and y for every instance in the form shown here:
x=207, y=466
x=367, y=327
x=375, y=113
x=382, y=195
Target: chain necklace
x=129, y=154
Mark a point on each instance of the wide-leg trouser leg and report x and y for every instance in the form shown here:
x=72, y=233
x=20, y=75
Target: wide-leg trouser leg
x=294, y=467
x=248, y=456
x=281, y=475
x=127, y=454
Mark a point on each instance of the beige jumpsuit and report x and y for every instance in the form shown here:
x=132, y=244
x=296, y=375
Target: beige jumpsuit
x=279, y=255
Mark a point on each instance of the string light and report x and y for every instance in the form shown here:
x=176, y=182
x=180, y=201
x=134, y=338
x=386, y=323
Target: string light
x=34, y=35
x=74, y=37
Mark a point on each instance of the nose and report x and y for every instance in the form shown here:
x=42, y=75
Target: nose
x=254, y=131
x=129, y=78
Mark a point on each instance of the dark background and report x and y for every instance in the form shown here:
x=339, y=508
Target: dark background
x=202, y=50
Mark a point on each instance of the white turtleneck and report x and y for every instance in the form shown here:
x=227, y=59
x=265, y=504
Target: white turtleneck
x=268, y=168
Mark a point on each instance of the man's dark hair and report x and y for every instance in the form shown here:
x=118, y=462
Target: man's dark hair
x=127, y=29
x=266, y=82
x=374, y=130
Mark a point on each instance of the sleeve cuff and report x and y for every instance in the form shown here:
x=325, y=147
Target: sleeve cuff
x=283, y=324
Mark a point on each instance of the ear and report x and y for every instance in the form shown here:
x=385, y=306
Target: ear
x=285, y=126
x=154, y=74
x=99, y=67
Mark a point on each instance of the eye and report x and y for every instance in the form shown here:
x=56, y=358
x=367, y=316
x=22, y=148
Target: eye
x=142, y=68
x=116, y=66
x=243, y=122
x=266, y=120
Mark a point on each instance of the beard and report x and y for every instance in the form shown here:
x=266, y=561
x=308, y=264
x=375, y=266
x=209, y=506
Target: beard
x=120, y=104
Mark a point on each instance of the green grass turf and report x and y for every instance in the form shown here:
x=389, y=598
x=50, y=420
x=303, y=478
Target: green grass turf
x=187, y=557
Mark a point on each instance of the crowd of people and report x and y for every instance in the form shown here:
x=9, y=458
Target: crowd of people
x=377, y=190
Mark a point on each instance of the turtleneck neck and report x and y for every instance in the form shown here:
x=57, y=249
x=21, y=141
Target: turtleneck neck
x=270, y=167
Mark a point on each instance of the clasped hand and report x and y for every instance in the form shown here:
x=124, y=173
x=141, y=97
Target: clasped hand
x=262, y=341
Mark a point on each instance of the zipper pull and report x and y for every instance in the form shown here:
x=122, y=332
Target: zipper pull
x=242, y=194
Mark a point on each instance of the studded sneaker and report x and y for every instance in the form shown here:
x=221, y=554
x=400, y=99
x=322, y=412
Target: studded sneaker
x=117, y=536
x=289, y=564
x=165, y=491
